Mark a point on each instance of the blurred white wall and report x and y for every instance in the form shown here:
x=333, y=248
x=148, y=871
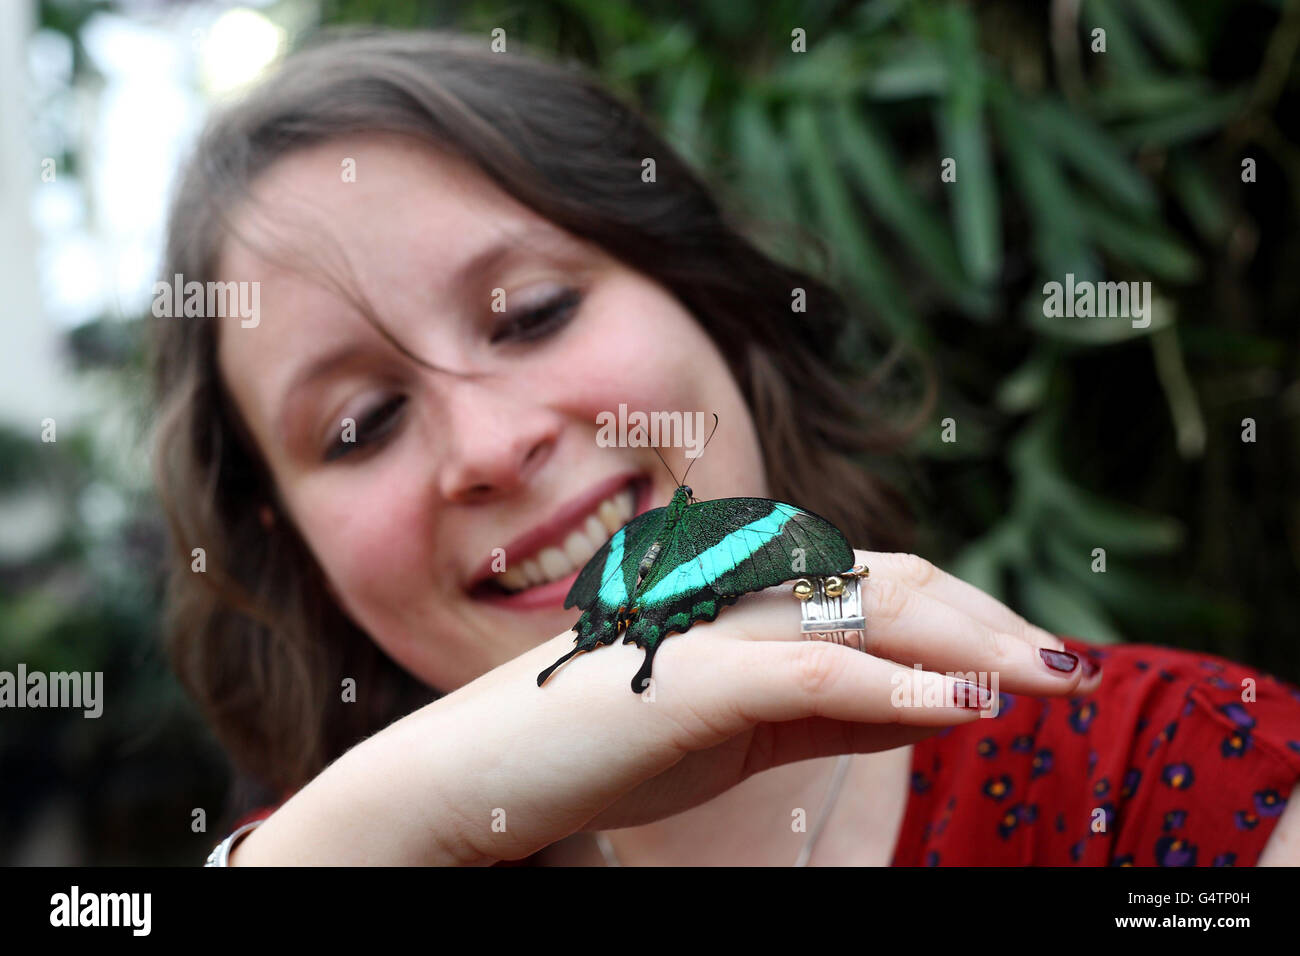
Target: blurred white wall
x=34, y=384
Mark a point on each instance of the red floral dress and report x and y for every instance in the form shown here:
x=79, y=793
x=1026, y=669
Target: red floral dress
x=1179, y=759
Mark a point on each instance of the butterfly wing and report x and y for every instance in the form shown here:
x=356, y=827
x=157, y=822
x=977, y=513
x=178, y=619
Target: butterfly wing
x=608, y=576
x=606, y=583
x=721, y=549
x=770, y=549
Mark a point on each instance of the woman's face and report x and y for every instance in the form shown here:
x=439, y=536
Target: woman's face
x=495, y=450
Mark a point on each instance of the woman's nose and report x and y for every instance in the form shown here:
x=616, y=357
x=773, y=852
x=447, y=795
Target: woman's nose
x=498, y=442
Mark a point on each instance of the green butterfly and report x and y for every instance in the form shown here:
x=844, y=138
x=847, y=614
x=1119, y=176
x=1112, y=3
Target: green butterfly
x=676, y=566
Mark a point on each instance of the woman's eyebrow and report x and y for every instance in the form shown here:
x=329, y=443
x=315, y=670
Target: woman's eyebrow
x=540, y=239
x=318, y=368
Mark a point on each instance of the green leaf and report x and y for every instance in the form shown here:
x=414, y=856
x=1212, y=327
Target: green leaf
x=1150, y=247
x=28, y=621
x=980, y=564
x=618, y=22
x=1139, y=599
x=874, y=14
x=863, y=263
x=963, y=137
x=831, y=66
x=1058, y=245
x=1180, y=394
x=976, y=438
x=764, y=161
x=1150, y=95
x=911, y=68
x=1064, y=610
x=1208, y=115
x=1124, y=54
x=690, y=88
x=1092, y=153
x=1104, y=524
x=1165, y=24
x=975, y=204
x=1103, y=330
x=879, y=176
x=840, y=65
x=665, y=48
x=1200, y=198
x=1025, y=388
x=1034, y=459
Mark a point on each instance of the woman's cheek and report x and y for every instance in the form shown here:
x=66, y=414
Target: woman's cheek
x=645, y=373
x=629, y=328
x=370, y=535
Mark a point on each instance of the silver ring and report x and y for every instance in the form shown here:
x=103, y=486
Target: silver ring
x=220, y=855
x=833, y=615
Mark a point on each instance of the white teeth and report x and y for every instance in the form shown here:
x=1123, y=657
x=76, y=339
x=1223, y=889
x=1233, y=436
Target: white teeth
x=625, y=502
x=554, y=563
x=578, y=548
x=513, y=579
x=608, y=515
x=596, y=531
x=533, y=572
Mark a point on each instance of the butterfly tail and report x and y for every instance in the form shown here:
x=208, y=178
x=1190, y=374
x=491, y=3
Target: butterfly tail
x=642, y=677
x=592, y=633
x=541, y=678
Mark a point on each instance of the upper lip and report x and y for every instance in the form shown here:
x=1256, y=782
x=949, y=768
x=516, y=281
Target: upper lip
x=568, y=517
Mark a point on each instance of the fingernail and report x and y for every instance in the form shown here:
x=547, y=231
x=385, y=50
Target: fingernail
x=972, y=696
x=1059, y=660
x=1090, y=667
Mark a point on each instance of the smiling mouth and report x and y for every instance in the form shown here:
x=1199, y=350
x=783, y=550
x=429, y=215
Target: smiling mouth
x=560, y=559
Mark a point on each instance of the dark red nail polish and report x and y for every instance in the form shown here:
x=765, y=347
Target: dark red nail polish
x=972, y=696
x=1059, y=660
x=1090, y=667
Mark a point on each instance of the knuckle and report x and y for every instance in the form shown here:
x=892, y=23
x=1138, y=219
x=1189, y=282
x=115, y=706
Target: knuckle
x=996, y=643
x=890, y=600
x=694, y=728
x=817, y=666
x=1022, y=630
x=915, y=571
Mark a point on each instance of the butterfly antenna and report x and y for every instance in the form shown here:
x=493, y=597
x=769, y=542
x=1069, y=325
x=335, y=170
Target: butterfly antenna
x=702, y=450
x=665, y=464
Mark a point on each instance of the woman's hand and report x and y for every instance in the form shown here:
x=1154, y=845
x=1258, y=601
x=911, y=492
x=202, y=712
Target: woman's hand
x=520, y=767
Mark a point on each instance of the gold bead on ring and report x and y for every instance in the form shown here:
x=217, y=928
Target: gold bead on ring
x=831, y=608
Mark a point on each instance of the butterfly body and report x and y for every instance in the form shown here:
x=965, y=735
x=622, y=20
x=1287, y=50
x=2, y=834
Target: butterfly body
x=673, y=567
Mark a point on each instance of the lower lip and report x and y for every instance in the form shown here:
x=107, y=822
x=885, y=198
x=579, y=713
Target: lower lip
x=552, y=594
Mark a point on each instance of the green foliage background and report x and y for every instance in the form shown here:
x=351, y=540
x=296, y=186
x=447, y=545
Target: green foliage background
x=1072, y=434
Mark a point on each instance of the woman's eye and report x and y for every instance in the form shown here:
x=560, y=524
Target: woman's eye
x=540, y=321
x=370, y=428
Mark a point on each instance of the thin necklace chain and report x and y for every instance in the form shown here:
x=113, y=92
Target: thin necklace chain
x=832, y=794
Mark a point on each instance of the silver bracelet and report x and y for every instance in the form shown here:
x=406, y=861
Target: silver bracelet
x=220, y=855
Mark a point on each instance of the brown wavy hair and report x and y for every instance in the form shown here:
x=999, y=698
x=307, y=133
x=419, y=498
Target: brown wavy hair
x=257, y=639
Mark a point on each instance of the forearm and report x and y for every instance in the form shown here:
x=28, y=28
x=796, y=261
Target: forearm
x=380, y=804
